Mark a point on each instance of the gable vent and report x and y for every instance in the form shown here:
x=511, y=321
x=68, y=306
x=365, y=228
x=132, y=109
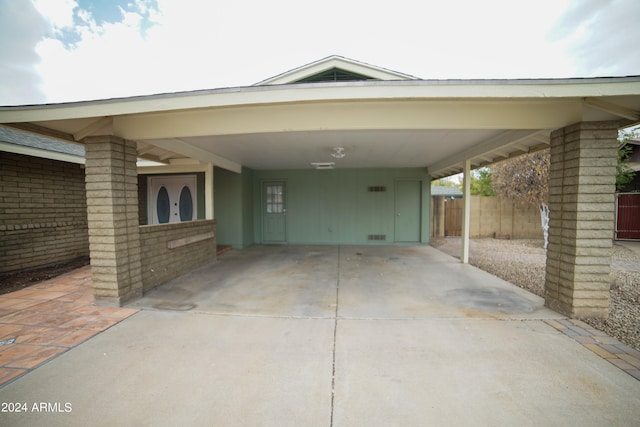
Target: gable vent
x=335, y=75
x=377, y=189
x=377, y=237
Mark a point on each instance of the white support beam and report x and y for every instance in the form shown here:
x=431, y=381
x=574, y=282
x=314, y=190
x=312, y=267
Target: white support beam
x=544, y=139
x=209, y=211
x=92, y=127
x=181, y=147
x=491, y=145
x=144, y=148
x=612, y=108
x=466, y=212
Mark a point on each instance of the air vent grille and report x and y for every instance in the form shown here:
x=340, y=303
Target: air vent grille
x=377, y=237
x=376, y=189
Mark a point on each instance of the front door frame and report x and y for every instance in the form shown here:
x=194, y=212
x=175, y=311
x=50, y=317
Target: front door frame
x=174, y=184
x=280, y=215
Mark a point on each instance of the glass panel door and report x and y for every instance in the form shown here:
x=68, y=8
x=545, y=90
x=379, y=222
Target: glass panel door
x=172, y=198
x=274, y=223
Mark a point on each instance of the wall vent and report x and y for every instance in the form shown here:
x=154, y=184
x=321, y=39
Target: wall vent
x=377, y=237
x=377, y=189
x=327, y=165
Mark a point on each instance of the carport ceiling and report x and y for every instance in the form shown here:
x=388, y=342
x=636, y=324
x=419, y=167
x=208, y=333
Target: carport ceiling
x=362, y=148
x=432, y=124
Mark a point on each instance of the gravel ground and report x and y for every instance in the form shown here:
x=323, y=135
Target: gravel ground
x=522, y=262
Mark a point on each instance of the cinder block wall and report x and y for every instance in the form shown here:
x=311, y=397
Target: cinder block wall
x=491, y=215
x=43, y=212
x=162, y=262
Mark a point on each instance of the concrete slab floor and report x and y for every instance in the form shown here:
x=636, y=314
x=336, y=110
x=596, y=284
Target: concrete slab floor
x=331, y=336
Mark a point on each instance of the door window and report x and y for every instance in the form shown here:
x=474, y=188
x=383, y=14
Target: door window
x=163, y=205
x=275, y=201
x=186, y=204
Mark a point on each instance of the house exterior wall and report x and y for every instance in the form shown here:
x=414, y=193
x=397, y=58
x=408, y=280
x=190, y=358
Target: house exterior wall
x=43, y=212
x=170, y=250
x=234, y=207
x=335, y=206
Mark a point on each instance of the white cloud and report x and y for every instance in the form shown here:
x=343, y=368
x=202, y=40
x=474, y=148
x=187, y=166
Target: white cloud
x=59, y=13
x=193, y=44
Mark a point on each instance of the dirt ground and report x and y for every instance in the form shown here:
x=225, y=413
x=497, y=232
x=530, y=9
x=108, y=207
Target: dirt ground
x=15, y=281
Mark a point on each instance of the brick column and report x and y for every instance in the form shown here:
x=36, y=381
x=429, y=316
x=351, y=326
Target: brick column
x=112, y=213
x=581, y=218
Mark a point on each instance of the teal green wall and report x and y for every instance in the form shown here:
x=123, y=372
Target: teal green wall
x=334, y=206
x=247, y=207
x=233, y=204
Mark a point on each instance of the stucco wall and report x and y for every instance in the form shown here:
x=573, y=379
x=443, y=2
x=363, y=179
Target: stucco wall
x=43, y=212
x=170, y=250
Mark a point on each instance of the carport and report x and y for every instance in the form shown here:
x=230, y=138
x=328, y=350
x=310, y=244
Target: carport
x=389, y=121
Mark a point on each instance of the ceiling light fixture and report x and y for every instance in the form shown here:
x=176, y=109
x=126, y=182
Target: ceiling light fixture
x=338, y=152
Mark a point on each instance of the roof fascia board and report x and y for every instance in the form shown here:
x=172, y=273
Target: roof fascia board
x=44, y=154
x=462, y=90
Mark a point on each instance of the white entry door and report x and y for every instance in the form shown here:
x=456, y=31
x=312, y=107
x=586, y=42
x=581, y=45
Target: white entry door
x=172, y=199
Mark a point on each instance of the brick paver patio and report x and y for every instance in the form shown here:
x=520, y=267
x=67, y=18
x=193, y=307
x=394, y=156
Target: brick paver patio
x=40, y=322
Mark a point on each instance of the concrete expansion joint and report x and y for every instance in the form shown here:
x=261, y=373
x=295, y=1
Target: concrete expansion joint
x=249, y=315
x=335, y=334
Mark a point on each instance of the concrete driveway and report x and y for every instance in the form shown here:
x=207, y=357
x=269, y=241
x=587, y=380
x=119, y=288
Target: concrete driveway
x=331, y=336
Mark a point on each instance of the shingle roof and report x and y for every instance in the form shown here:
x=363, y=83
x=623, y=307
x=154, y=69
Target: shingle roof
x=439, y=190
x=26, y=139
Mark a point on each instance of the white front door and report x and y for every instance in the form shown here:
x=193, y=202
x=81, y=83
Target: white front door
x=172, y=199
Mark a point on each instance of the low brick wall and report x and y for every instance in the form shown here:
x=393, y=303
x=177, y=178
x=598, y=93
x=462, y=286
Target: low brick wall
x=170, y=250
x=43, y=212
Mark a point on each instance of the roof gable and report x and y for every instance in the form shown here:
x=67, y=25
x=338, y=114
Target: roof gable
x=335, y=68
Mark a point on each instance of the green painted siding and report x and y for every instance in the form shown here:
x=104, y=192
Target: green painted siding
x=233, y=204
x=247, y=207
x=335, y=206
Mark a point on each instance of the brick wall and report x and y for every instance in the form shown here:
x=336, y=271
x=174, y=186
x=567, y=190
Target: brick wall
x=500, y=216
x=170, y=250
x=581, y=219
x=43, y=212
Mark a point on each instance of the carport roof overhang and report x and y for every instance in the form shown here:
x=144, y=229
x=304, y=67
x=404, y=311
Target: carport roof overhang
x=419, y=123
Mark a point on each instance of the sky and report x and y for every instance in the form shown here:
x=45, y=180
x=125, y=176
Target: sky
x=55, y=51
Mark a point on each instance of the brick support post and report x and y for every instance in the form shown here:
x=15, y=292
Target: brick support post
x=581, y=218
x=112, y=213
